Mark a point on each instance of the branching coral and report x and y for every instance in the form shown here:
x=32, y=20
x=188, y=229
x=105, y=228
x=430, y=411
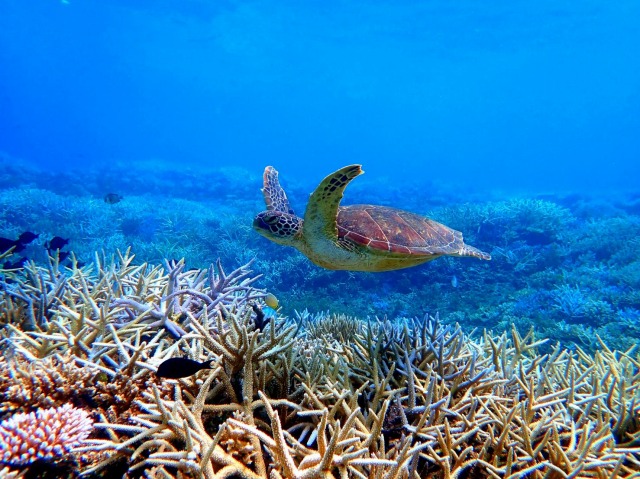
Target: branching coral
x=320, y=397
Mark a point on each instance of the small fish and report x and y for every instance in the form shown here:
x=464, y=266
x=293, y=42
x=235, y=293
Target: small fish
x=260, y=321
x=454, y=281
x=271, y=301
x=24, y=239
x=175, y=368
x=113, y=198
x=6, y=244
x=56, y=243
x=27, y=237
x=16, y=264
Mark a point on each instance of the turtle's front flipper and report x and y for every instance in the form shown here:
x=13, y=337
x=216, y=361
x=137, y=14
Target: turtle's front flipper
x=274, y=195
x=322, y=209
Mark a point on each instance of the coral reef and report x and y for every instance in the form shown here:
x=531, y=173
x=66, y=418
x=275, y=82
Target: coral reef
x=314, y=396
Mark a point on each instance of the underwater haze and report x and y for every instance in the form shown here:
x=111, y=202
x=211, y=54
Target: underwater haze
x=540, y=95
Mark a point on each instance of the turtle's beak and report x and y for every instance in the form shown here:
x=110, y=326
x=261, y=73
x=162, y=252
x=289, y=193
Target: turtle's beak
x=263, y=227
x=277, y=226
x=260, y=225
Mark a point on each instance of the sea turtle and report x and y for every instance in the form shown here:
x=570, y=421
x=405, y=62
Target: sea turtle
x=355, y=237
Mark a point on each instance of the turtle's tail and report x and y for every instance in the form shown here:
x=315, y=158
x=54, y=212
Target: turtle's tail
x=474, y=252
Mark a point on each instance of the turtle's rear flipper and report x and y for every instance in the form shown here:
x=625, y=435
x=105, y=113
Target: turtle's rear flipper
x=474, y=252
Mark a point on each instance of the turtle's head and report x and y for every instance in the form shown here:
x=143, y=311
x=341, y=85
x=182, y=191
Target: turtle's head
x=282, y=228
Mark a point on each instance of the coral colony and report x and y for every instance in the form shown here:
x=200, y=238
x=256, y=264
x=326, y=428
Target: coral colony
x=46, y=434
x=314, y=396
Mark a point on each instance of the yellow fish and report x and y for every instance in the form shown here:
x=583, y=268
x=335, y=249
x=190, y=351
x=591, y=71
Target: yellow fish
x=271, y=301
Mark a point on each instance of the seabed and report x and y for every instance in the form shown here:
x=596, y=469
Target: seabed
x=310, y=396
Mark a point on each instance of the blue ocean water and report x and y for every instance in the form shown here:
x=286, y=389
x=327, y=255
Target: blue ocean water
x=542, y=95
x=514, y=122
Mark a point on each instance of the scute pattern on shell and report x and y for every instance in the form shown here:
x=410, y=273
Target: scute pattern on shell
x=397, y=231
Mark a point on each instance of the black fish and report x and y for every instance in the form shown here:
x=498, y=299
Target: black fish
x=56, y=243
x=113, y=198
x=27, y=237
x=62, y=255
x=6, y=244
x=260, y=321
x=16, y=264
x=175, y=368
x=24, y=239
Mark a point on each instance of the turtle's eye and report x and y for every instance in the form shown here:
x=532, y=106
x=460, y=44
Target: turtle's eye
x=271, y=220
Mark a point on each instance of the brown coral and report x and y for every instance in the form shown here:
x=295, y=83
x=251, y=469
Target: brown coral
x=59, y=379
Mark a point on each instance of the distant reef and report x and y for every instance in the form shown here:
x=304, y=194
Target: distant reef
x=565, y=264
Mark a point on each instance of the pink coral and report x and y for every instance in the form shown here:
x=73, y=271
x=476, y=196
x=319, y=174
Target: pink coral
x=46, y=434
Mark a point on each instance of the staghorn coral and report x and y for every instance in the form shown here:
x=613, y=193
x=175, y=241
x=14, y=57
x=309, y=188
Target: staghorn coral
x=46, y=434
x=339, y=327
x=491, y=406
x=98, y=353
x=320, y=397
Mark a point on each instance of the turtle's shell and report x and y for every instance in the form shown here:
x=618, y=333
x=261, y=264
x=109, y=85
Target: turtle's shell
x=396, y=231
